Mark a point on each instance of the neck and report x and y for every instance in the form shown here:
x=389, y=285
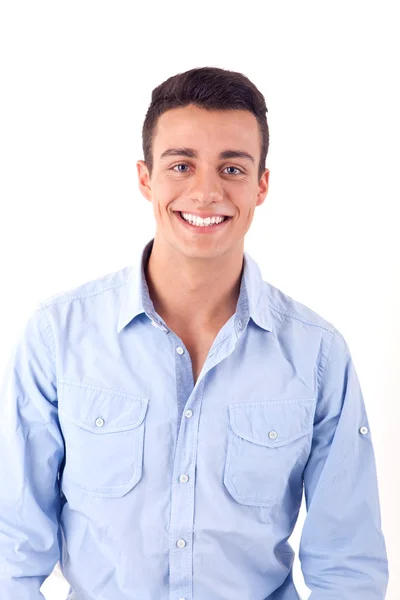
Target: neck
x=193, y=291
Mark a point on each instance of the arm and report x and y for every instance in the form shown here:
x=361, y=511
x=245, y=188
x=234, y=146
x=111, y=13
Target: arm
x=342, y=549
x=31, y=451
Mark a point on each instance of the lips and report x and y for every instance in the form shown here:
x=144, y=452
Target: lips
x=202, y=230
x=207, y=217
x=202, y=216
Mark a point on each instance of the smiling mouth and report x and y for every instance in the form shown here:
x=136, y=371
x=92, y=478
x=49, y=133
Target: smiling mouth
x=202, y=228
x=180, y=213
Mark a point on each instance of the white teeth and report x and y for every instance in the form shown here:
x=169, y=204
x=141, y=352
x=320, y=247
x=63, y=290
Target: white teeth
x=194, y=220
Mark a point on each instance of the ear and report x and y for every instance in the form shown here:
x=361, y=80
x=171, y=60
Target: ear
x=144, y=179
x=263, y=188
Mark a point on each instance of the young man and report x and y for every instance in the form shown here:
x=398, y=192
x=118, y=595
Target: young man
x=158, y=424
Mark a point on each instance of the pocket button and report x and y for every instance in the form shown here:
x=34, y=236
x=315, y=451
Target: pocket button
x=262, y=462
x=98, y=424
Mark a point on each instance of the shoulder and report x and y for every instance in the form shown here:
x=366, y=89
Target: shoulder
x=107, y=283
x=284, y=308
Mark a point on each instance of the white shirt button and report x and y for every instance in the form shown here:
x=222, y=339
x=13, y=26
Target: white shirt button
x=183, y=478
x=188, y=413
x=180, y=350
x=181, y=543
x=99, y=422
x=182, y=598
x=363, y=430
x=273, y=435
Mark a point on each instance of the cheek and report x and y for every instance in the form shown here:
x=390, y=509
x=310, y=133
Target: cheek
x=161, y=211
x=166, y=192
x=246, y=215
x=246, y=207
x=168, y=187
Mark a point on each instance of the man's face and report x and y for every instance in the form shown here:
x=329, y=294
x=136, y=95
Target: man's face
x=204, y=184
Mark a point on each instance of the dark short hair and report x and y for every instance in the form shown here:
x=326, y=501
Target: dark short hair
x=211, y=88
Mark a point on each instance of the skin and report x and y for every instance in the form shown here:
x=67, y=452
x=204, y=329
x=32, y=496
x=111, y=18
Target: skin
x=194, y=279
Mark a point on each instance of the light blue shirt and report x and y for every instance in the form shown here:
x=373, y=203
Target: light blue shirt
x=146, y=486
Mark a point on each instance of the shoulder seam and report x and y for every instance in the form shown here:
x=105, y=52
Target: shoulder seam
x=48, y=302
x=293, y=316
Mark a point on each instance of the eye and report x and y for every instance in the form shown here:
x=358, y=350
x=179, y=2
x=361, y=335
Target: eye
x=240, y=171
x=180, y=165
x=186, y=165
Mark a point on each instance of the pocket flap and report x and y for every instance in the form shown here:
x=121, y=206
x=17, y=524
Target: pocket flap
x=101, y=410
x=272, y=423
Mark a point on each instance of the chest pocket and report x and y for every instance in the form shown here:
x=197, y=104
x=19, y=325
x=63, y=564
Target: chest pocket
x=267, y=448
x=104, y=438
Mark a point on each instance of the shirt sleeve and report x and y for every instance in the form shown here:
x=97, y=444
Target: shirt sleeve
x=342, y=548
x=31, y=450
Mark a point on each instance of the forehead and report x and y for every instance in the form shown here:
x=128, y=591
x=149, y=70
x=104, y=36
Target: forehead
x=206, y=129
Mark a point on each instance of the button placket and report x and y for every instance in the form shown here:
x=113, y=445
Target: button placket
x=182, y=495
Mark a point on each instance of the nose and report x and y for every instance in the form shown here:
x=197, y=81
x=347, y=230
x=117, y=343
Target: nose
x=206, y=186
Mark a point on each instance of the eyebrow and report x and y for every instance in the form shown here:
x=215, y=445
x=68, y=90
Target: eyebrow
x=190, y=153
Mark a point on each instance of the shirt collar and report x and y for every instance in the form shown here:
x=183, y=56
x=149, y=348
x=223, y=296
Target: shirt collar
x=252, y=302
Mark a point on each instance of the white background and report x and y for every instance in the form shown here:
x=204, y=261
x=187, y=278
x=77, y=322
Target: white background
x=76, y=79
